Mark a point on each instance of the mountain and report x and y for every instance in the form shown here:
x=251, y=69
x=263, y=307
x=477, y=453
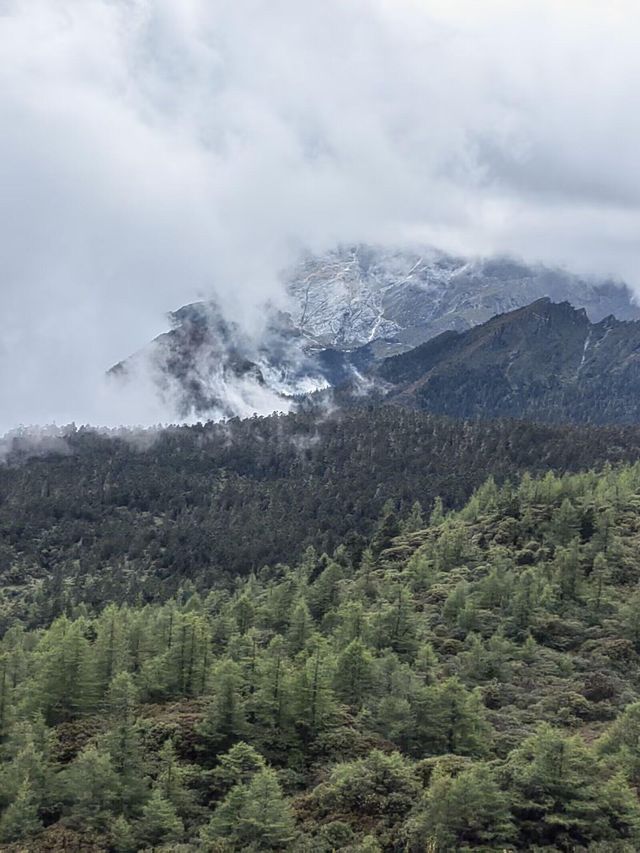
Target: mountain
x=349, y=309
x=207, y=365
x=545, y=361
x=355, y=295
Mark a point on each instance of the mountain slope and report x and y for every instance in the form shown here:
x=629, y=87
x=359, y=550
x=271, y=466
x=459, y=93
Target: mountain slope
x=208, y=366
x=348, y=309
x=546, y=361
x=354, y=295
x=471, y=683
x=136, y=514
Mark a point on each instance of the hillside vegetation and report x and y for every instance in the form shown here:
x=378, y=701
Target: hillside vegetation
x=131, y=518
x=469, y=681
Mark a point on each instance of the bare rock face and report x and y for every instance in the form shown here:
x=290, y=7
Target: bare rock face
x=353, y=296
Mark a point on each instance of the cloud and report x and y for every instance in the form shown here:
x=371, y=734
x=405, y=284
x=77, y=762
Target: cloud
x=156, y=151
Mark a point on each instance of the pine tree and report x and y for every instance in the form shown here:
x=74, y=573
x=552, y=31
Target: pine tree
x=394, y=626
x=387, y=530
x=600, y=575
x=352, y=622
x=564, y=525
x=568, y=571
x=6, y=696
x=20, y=819
x=273, y=702
x=465, y=811
x=267, y=820
x=560, y=797
x=160, y=823
x=91, y=787
x=426, y=663
x=301, y=627
x=630, y=617
x=123, y=743
x=122, y=836
x=28, y=756
x=66, y=684
x=451, y=719
x=243, y=612
x=187, y=659
x=415, y=520
x=172, y=779
x=315, y=702
x=324, y=593
x=353, y=674
x=238, y=766
x=111, y=648
x=225, y=719
x=437, y=513
x=621, y=742
x=395, y=719
x=253, y=816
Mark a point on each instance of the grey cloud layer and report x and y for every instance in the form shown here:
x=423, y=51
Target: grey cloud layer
x=155, y=151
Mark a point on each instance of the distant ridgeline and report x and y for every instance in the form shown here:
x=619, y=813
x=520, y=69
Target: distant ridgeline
x=546, y=362
x=104, y=519
x=465, y=344
x=461, y=681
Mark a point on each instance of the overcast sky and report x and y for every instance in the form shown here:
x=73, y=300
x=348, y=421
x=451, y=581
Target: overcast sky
x=155, y=151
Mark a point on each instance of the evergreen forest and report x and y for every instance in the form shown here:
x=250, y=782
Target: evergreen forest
x=452, y=672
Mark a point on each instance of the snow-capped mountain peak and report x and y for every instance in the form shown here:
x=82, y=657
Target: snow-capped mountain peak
x=348, y=307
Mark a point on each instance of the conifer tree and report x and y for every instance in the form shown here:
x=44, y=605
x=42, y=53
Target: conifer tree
x=159, y=823
x=273, y=702
x=91, y=787
x=451, y=719
x=111, y=648
x=122, y=836
x=437, y=513
x=238, y=766
x=467, y=810
x=66, y=685
x=225, y=719
x=621, y=740
x=172, y=779
x=354, y=669
x=20, y=819
x=6, y=696
x=313, y=693
x=324, y=593
x=388, y=528
x=415, y=520
x=187, y=659
x=560, y=797
x=300, y=627
x=123, y=743
x=243, y=612
x=253, y=816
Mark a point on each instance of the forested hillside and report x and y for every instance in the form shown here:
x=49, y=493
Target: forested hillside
x=131, y=518
x=471, y=681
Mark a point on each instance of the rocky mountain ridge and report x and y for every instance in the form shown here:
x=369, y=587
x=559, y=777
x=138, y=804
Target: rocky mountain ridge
x=545, y=361
x=349, y=310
